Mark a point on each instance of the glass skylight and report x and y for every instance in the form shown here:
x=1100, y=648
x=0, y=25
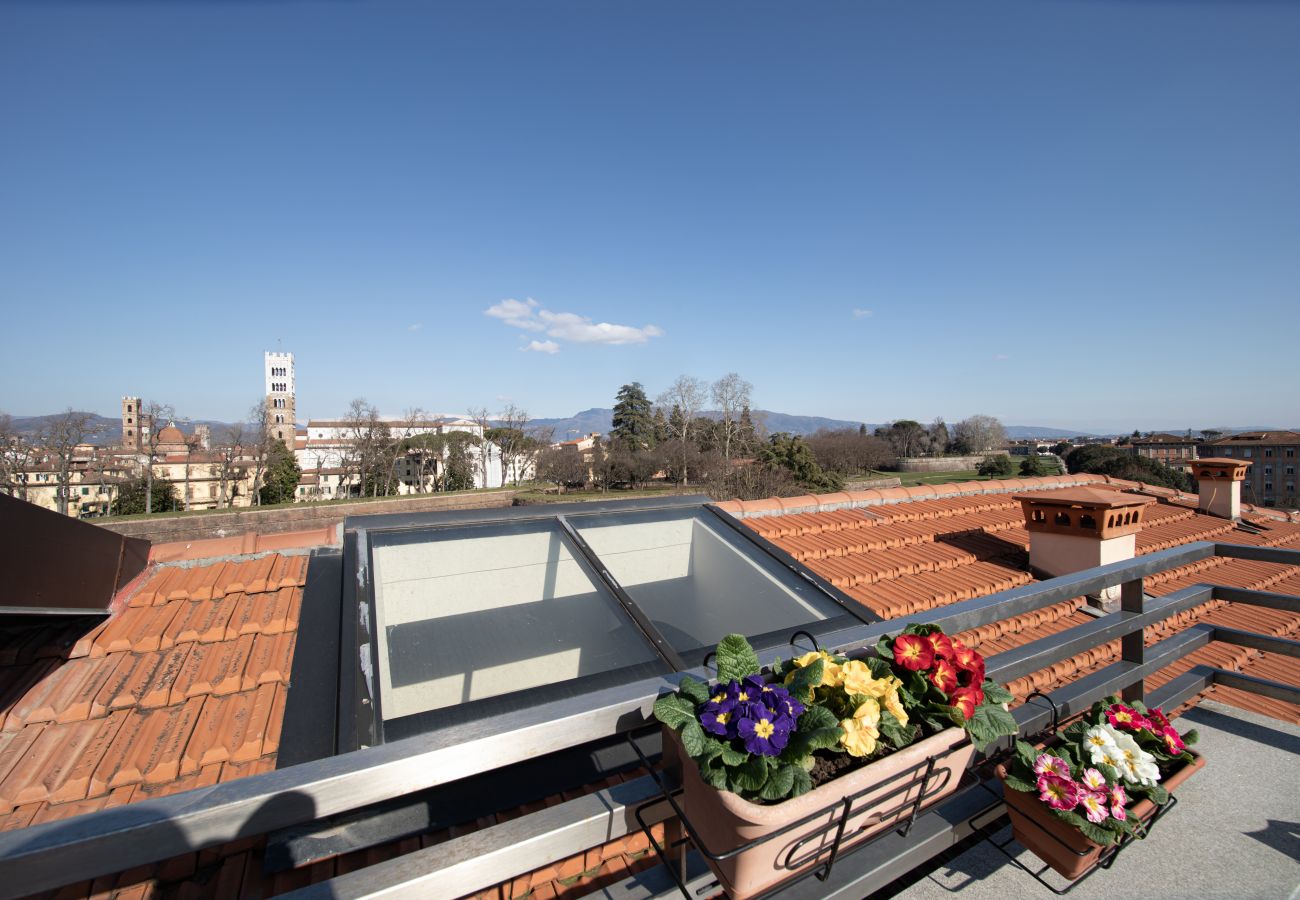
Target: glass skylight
x=470, y=613
x=697, y=581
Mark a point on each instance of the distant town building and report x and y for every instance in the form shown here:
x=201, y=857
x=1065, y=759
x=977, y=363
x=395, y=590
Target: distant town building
x=280, y=392
x=135, y=423
x=1271, y=480
x=1170, y=449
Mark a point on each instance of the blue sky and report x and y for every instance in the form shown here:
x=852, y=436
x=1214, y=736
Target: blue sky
x=1058, y=212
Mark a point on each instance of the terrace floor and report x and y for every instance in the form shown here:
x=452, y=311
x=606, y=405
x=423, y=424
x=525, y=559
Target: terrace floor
x=1234, y=834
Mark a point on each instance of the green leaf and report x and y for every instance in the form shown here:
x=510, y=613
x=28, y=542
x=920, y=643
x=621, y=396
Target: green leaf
x=1026, y=752
x=802, y=781
x=749, y=777
x=674, y=710
x=1110, y=773
x=693, y=739
x=1128, y=825
x=996, y=693
x=805, y=679
x=1139, y=706
x=1191, y=737
x=1076, y=731
x=879, y=668
x=736, y=658
x=815, y=717
x=885, y=647
x=989, y=723
x=694, y=690
x=1069, y=817
x=1097, y=834
x=1159, y=796
x=824, y=738
x=732, y=756
x=715, y=776
x=1019, y=784
x=898, y=734
x=780, y=783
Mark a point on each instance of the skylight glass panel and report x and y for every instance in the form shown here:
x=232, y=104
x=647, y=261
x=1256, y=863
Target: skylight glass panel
x=476, y=612
x=697, y=582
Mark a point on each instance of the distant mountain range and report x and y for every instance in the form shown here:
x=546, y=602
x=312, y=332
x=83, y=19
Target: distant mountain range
x=105, y=430
x=601, y=420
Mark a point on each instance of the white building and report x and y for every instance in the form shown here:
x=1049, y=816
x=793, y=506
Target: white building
x=324, y=450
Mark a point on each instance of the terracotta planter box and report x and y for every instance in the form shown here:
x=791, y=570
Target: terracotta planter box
x=1062, y=846
x=724, y=821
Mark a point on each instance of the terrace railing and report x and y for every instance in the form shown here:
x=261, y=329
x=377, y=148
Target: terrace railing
x=52, y=855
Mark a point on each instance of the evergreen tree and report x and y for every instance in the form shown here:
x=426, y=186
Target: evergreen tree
x=660, y=426
x=633, y=423
x=130, y=497
x=282, y=475
x=790, y=452
x=746, y=439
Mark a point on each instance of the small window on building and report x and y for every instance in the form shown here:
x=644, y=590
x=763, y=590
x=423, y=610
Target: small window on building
x=1268, y=451
x=1268, y=485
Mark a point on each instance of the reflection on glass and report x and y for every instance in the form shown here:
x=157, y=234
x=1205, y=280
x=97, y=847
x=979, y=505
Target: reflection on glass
x=695, y=581
x=484, y=611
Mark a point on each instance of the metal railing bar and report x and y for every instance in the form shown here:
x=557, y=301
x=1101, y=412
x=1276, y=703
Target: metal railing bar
x=1254, y=641
x=1077, y=696
x=491, y=855
x=1258, y=554
x=1264, y=687
x=1012, y=664
x=1177, y=691
x=1262, y=599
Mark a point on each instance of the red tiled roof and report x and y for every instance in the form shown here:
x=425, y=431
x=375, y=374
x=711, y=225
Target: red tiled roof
x=183, y=685
x=901, y=553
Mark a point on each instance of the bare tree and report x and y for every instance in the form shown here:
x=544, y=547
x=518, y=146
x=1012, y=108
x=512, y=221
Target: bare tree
x=510, y=435
x=483, y=419
x=731, y=394
x=979, y=433
x=681, y=404
x=257, y=449
x=230, y=450
x=154, y=413
x=58, y=439
x=17, y=454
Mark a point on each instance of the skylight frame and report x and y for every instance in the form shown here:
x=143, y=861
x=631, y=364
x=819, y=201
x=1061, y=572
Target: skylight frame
x=360, y=721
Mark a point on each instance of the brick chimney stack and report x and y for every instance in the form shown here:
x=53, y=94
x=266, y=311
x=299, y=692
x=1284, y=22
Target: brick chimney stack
x=1081, y=528
x=1218, y=485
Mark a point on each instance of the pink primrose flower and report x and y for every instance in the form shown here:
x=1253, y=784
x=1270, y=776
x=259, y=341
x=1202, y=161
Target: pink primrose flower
x=1058, y=792
x=1094, y=805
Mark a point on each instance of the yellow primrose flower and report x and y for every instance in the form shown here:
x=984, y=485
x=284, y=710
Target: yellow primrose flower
x=859, y=680
x=832, y=676
x=860, y=732
x=895, y=705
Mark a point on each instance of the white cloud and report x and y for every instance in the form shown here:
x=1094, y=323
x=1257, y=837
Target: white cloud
x=1001, y=356
x=415, y=326
x=518, y=313
x=566, y=326
x=541, y=347
x=861, y=313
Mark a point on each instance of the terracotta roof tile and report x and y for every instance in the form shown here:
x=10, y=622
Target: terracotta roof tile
x=213, y=668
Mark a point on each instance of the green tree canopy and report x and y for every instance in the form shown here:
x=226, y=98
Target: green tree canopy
x=1100, y=459
x=996, y=466
x=282, y=475
x=130, y=497
x=634, y=422
x=790, y=452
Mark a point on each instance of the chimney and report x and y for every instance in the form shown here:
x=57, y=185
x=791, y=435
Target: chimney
x=1075, y=529
x=1218, y=485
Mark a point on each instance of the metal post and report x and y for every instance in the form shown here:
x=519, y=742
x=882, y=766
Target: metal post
x=1133, y=646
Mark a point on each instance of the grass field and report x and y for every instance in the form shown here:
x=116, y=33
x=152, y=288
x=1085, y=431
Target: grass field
x=911, y=479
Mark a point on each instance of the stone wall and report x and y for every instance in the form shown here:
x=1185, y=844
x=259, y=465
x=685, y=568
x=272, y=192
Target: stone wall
x=939, y=463
x=870, y=484
x=301, y=517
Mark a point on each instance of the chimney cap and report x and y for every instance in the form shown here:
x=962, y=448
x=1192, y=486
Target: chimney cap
x=1093, y=498
x=1220, y=467
x=1084, y=513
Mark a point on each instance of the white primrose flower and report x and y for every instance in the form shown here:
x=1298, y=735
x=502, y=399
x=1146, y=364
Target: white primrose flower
x=1147, y=774
x=1096, y=738
x=1136, y=765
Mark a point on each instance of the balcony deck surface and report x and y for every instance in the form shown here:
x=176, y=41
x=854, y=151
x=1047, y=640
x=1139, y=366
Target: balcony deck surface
x=1235, y=832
